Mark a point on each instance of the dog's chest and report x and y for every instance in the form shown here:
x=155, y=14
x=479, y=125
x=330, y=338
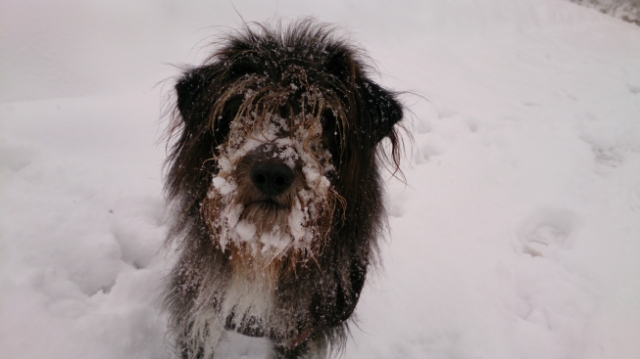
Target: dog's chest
x=249, y=298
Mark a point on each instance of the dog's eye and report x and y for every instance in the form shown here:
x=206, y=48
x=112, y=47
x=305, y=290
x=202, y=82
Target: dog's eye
x=222, y=123
x=328, y=121
x=329, y=124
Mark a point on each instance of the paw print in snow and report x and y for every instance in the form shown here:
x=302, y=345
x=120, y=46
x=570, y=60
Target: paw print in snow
x=547, y=231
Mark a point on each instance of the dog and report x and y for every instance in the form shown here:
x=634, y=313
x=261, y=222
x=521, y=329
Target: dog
x=276, y=145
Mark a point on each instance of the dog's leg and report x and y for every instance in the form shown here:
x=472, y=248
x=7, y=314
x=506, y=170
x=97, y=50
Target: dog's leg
x=192, y=348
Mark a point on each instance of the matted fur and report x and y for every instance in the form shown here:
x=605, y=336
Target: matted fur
x=287, y=266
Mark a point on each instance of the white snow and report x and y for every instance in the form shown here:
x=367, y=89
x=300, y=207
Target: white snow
x=516, y=236
x=222, y=186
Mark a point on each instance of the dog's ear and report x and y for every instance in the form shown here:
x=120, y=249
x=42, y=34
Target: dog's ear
x=192, y=90
x=383, y=109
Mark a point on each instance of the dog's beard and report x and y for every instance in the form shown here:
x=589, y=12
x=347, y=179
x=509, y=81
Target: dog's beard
x=298, y=220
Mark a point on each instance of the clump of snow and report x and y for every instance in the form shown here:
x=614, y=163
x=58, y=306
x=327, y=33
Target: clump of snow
x=222, y=187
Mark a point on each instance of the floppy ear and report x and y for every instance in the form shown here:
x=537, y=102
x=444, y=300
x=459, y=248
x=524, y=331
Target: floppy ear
x=383, y=109
x=188, y=175
x=193, y=89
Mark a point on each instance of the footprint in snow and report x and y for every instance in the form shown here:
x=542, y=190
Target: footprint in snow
x=15, y=156
x=550, y=298
x=546, y=231
x=635, y=198
x=608, y=157
x=609, y=140
x=428, y=150
x=445, y=111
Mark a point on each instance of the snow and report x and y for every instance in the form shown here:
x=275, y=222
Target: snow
x=517, y=234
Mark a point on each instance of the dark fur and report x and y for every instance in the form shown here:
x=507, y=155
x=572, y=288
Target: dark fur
x=302, y=68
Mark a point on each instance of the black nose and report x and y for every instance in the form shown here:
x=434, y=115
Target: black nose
x=271, y=178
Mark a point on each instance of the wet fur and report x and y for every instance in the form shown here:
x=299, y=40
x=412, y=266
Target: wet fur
x=301, y=295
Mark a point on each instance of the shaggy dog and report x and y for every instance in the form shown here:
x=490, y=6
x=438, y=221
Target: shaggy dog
x=274, y=179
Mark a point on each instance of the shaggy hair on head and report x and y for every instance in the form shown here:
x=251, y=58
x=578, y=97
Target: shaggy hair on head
x=275, y=187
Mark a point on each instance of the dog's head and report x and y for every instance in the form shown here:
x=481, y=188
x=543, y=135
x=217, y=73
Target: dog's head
x=278, y=134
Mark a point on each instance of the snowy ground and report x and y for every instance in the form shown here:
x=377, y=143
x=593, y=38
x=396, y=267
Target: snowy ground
x=517, y=235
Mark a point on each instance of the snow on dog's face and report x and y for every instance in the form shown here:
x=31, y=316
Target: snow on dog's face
x=272, y=192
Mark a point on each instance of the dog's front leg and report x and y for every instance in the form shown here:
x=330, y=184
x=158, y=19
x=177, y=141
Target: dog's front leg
x=189, y=352
x=200, y=342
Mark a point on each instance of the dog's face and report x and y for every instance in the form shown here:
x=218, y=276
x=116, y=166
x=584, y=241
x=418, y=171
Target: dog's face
x=277, y=132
